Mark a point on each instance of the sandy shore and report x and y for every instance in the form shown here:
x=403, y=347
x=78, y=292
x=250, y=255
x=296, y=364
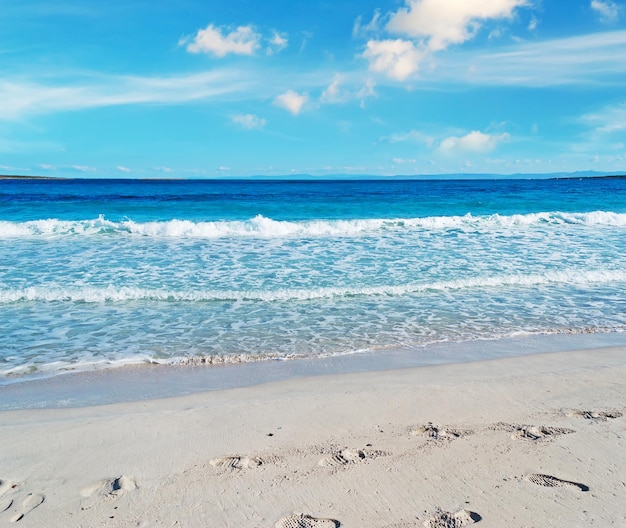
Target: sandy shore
x=520, y=442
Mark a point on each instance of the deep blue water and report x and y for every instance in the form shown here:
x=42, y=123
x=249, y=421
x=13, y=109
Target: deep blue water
x=106, y=272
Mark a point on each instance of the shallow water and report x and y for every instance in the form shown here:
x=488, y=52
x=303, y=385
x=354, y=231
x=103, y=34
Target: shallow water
x=97, y=274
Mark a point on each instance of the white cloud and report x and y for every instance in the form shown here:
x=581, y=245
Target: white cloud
x=444, y=22
x=291, y=101
x=475, y=141
x=242, y=41
x=249, y=121
x=398, y=59
x=277, y=43
x=607, y=10
x=121, y=168
x=403, y=161
x=429, y=26
x=162, y=169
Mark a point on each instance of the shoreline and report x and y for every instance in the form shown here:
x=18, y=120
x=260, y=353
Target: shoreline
x=144, y=381
x=516, y=442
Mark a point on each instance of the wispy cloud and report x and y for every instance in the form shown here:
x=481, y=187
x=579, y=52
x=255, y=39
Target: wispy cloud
x=598, y=58
x=276, y=43
x=249, y=121
x=412, y=136
x=372, y=26
x=344, y=89
x=121, y=168
x=332, y=94
x=607, y=10
x=24, y=98
x=82, y=168
x=67, y=168
x=608, y=120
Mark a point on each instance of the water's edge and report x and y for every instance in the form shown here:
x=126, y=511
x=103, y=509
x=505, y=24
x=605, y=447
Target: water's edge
x=147, y=382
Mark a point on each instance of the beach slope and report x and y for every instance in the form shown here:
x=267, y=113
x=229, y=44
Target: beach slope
x=531, y=441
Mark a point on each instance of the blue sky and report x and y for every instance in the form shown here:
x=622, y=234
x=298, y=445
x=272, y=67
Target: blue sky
x=207, y=88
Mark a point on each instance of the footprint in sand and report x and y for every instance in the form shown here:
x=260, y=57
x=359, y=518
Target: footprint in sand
x=5, y=504
x=6, y=486
x=350, y=456
x=301, y=520
x=549, y=481
x=452, y=520
x=534, y=433
x=597, y=416
x=237, y=462
x=435, y=432
x=30, y=502
x=113, y=487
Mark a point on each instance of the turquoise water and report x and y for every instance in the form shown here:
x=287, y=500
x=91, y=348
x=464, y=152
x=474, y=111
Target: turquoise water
x=102, y=273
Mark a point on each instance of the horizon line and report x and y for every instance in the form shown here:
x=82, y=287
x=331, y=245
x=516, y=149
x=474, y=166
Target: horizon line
x=587, y=174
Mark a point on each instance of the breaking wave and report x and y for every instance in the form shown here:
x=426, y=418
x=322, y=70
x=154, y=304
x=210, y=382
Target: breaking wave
x=262, y=227
x=55, y=293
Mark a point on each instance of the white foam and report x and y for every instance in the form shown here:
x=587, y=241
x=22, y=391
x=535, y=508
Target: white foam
x=472, y=349
x=54, y=226
x=262, y=227
x=51, y=293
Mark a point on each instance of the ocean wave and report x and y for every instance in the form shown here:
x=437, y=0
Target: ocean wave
x=262, y=227
x=89, y=294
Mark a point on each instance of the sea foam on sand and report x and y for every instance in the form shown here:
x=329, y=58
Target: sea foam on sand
x=530, y=441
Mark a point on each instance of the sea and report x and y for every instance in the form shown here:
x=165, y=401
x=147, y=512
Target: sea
x=100, y=274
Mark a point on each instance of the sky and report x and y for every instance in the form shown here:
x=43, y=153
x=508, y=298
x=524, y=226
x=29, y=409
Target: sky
x=237, y=88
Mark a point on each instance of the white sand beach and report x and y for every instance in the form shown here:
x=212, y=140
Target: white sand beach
x=519, y=442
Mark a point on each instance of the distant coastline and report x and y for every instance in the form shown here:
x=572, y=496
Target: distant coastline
x=610, y=177
x=587, y=175
x=17, y=177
